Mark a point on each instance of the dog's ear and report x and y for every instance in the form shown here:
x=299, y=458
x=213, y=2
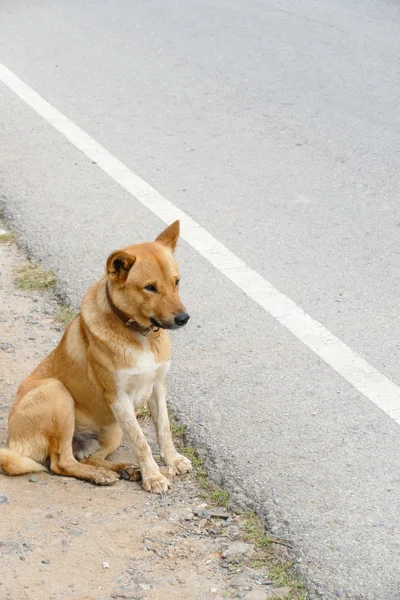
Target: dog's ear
x=169, y=237
x=119, y=264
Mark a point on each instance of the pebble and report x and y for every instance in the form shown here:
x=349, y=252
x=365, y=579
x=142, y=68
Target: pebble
x=189, y=516
x=199, y=508
x=203, y=523
x=281, y=592
x=128, y=595
x=255, y=595
x=3, y=499
x=105, y=565
x=7, y=547
x=7, y=347
x=219, y=513
x=145, y=586
x=46, y=561
x=32, y=479
x=234, y=532
x=241, y=580
x=237, y=550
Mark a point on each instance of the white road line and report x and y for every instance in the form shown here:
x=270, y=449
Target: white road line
x=367, y=380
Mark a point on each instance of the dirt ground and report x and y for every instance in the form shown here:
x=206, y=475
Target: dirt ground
x=64, y=538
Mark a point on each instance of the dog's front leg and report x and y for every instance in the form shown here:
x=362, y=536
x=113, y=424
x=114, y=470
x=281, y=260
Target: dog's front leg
x=152, y=478
x=176, y=462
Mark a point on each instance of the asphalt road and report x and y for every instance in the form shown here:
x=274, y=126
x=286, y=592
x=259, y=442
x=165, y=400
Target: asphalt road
x=275, y=126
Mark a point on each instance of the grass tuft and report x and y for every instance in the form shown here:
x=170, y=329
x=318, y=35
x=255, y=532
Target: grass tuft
x=280, y=574
x=177, y=429
x=219, y=496
x=65, y=315
x=254, y=531
x=33, y=277
x=143, y=413
x=8, y=237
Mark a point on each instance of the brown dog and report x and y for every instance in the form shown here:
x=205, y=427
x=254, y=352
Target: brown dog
x=72, y=410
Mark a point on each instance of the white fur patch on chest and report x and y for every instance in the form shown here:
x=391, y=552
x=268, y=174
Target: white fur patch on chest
x=138, y=381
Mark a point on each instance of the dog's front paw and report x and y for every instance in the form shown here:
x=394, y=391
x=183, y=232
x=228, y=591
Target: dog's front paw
x=156, y=484
x=179, y=465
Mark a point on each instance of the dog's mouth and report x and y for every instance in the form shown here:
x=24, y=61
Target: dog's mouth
x=177, y=323
x=161, y=324
x=156, y=323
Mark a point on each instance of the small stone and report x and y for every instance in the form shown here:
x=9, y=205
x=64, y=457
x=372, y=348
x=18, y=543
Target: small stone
x=199, y=508
x=22, y=557
x=3, y=499
x=128, y=595
x=203, y=523
x=255, y=595
x=234, y=532
x=339, y=593
x=241, y=580
x=219, y=513
x=46, y=561
x=7, y=547
x=159, y=553
x=7, y=347
x=145, y=586
x=281, y=592
x=237, y=550
x=105, y=565
x=189, y=517
x=32, y=479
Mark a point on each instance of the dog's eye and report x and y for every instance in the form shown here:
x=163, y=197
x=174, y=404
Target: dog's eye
x=150, y=288
x=177, y=282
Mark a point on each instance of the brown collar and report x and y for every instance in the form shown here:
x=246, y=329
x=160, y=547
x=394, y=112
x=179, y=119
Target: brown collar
x=128, y=322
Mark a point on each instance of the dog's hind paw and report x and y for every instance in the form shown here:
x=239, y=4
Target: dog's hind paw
x=104, y=477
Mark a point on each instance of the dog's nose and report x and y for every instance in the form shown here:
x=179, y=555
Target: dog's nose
x=181, y=319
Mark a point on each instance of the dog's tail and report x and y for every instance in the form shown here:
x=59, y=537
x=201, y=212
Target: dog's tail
x=13, y=463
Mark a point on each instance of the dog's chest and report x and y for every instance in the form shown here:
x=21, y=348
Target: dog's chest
x=138, y=381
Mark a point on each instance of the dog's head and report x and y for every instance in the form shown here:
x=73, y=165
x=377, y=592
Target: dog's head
x=144, y=281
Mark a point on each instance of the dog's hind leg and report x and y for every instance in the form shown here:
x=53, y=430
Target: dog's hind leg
x=42, y=426
x=109, y=440
x=62, y=460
